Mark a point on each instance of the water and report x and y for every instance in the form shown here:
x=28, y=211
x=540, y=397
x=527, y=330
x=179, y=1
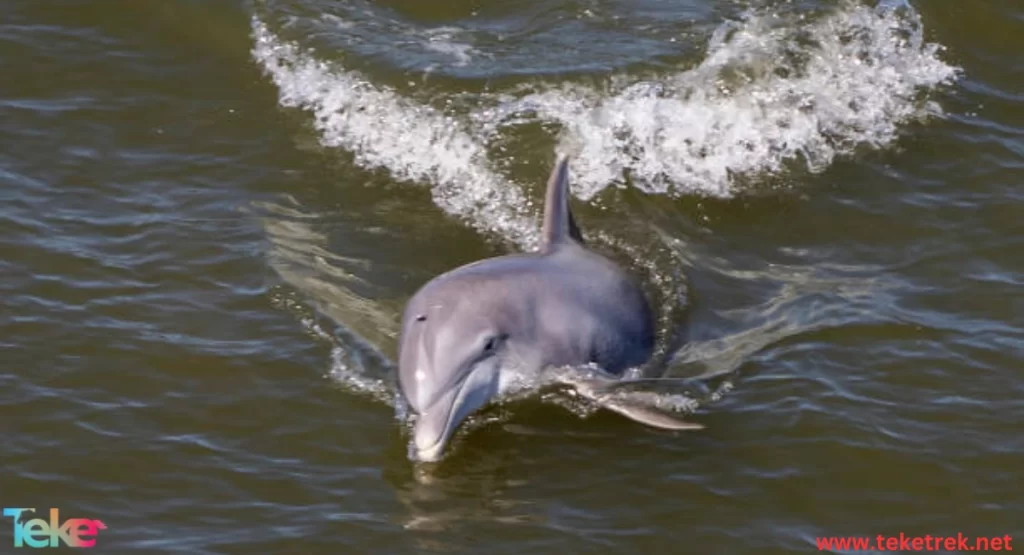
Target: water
x=213, y=213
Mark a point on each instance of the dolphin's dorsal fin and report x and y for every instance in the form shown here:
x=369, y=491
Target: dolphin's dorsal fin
x=559, y=225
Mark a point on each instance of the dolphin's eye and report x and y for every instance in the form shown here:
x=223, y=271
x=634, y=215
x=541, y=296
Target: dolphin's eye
x=421, y=318
x=492, y=342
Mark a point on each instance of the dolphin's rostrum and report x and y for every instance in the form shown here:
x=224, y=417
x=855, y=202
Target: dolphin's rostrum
x=467, y=331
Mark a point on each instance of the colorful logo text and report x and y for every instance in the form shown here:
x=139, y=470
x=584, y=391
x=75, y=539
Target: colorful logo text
x=36, y=532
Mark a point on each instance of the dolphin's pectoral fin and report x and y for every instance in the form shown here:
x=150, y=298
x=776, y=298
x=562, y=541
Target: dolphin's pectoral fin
x=651, y=417
x=600, y=389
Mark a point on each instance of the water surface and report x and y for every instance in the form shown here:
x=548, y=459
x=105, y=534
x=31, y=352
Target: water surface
x=213, y=213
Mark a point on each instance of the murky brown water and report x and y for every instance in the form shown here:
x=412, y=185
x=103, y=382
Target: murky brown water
x=212, y=214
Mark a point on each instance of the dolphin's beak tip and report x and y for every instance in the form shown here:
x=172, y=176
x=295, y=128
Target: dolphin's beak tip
x=428, y=441
x=429, y=456
x=428, y=453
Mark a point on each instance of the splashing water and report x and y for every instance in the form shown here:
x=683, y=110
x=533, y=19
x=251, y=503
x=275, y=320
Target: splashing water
x=770, y=92
x=773, y=91
x=413, y=141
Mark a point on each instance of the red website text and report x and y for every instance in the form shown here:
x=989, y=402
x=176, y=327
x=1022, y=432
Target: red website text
x=904, y=542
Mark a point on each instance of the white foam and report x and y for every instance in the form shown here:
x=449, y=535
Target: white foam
x=415, y=142
x=770, y=91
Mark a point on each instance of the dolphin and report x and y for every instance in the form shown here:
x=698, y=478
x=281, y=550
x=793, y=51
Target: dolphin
x=468, y=332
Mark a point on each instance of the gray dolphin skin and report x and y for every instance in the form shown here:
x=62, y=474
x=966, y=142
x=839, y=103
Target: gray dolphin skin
x=467, y=331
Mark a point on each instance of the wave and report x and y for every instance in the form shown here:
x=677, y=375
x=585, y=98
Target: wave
x=773, y=93
x=415, y=142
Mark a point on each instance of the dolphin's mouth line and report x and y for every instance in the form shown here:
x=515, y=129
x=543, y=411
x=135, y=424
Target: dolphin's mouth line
x=445, y=431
